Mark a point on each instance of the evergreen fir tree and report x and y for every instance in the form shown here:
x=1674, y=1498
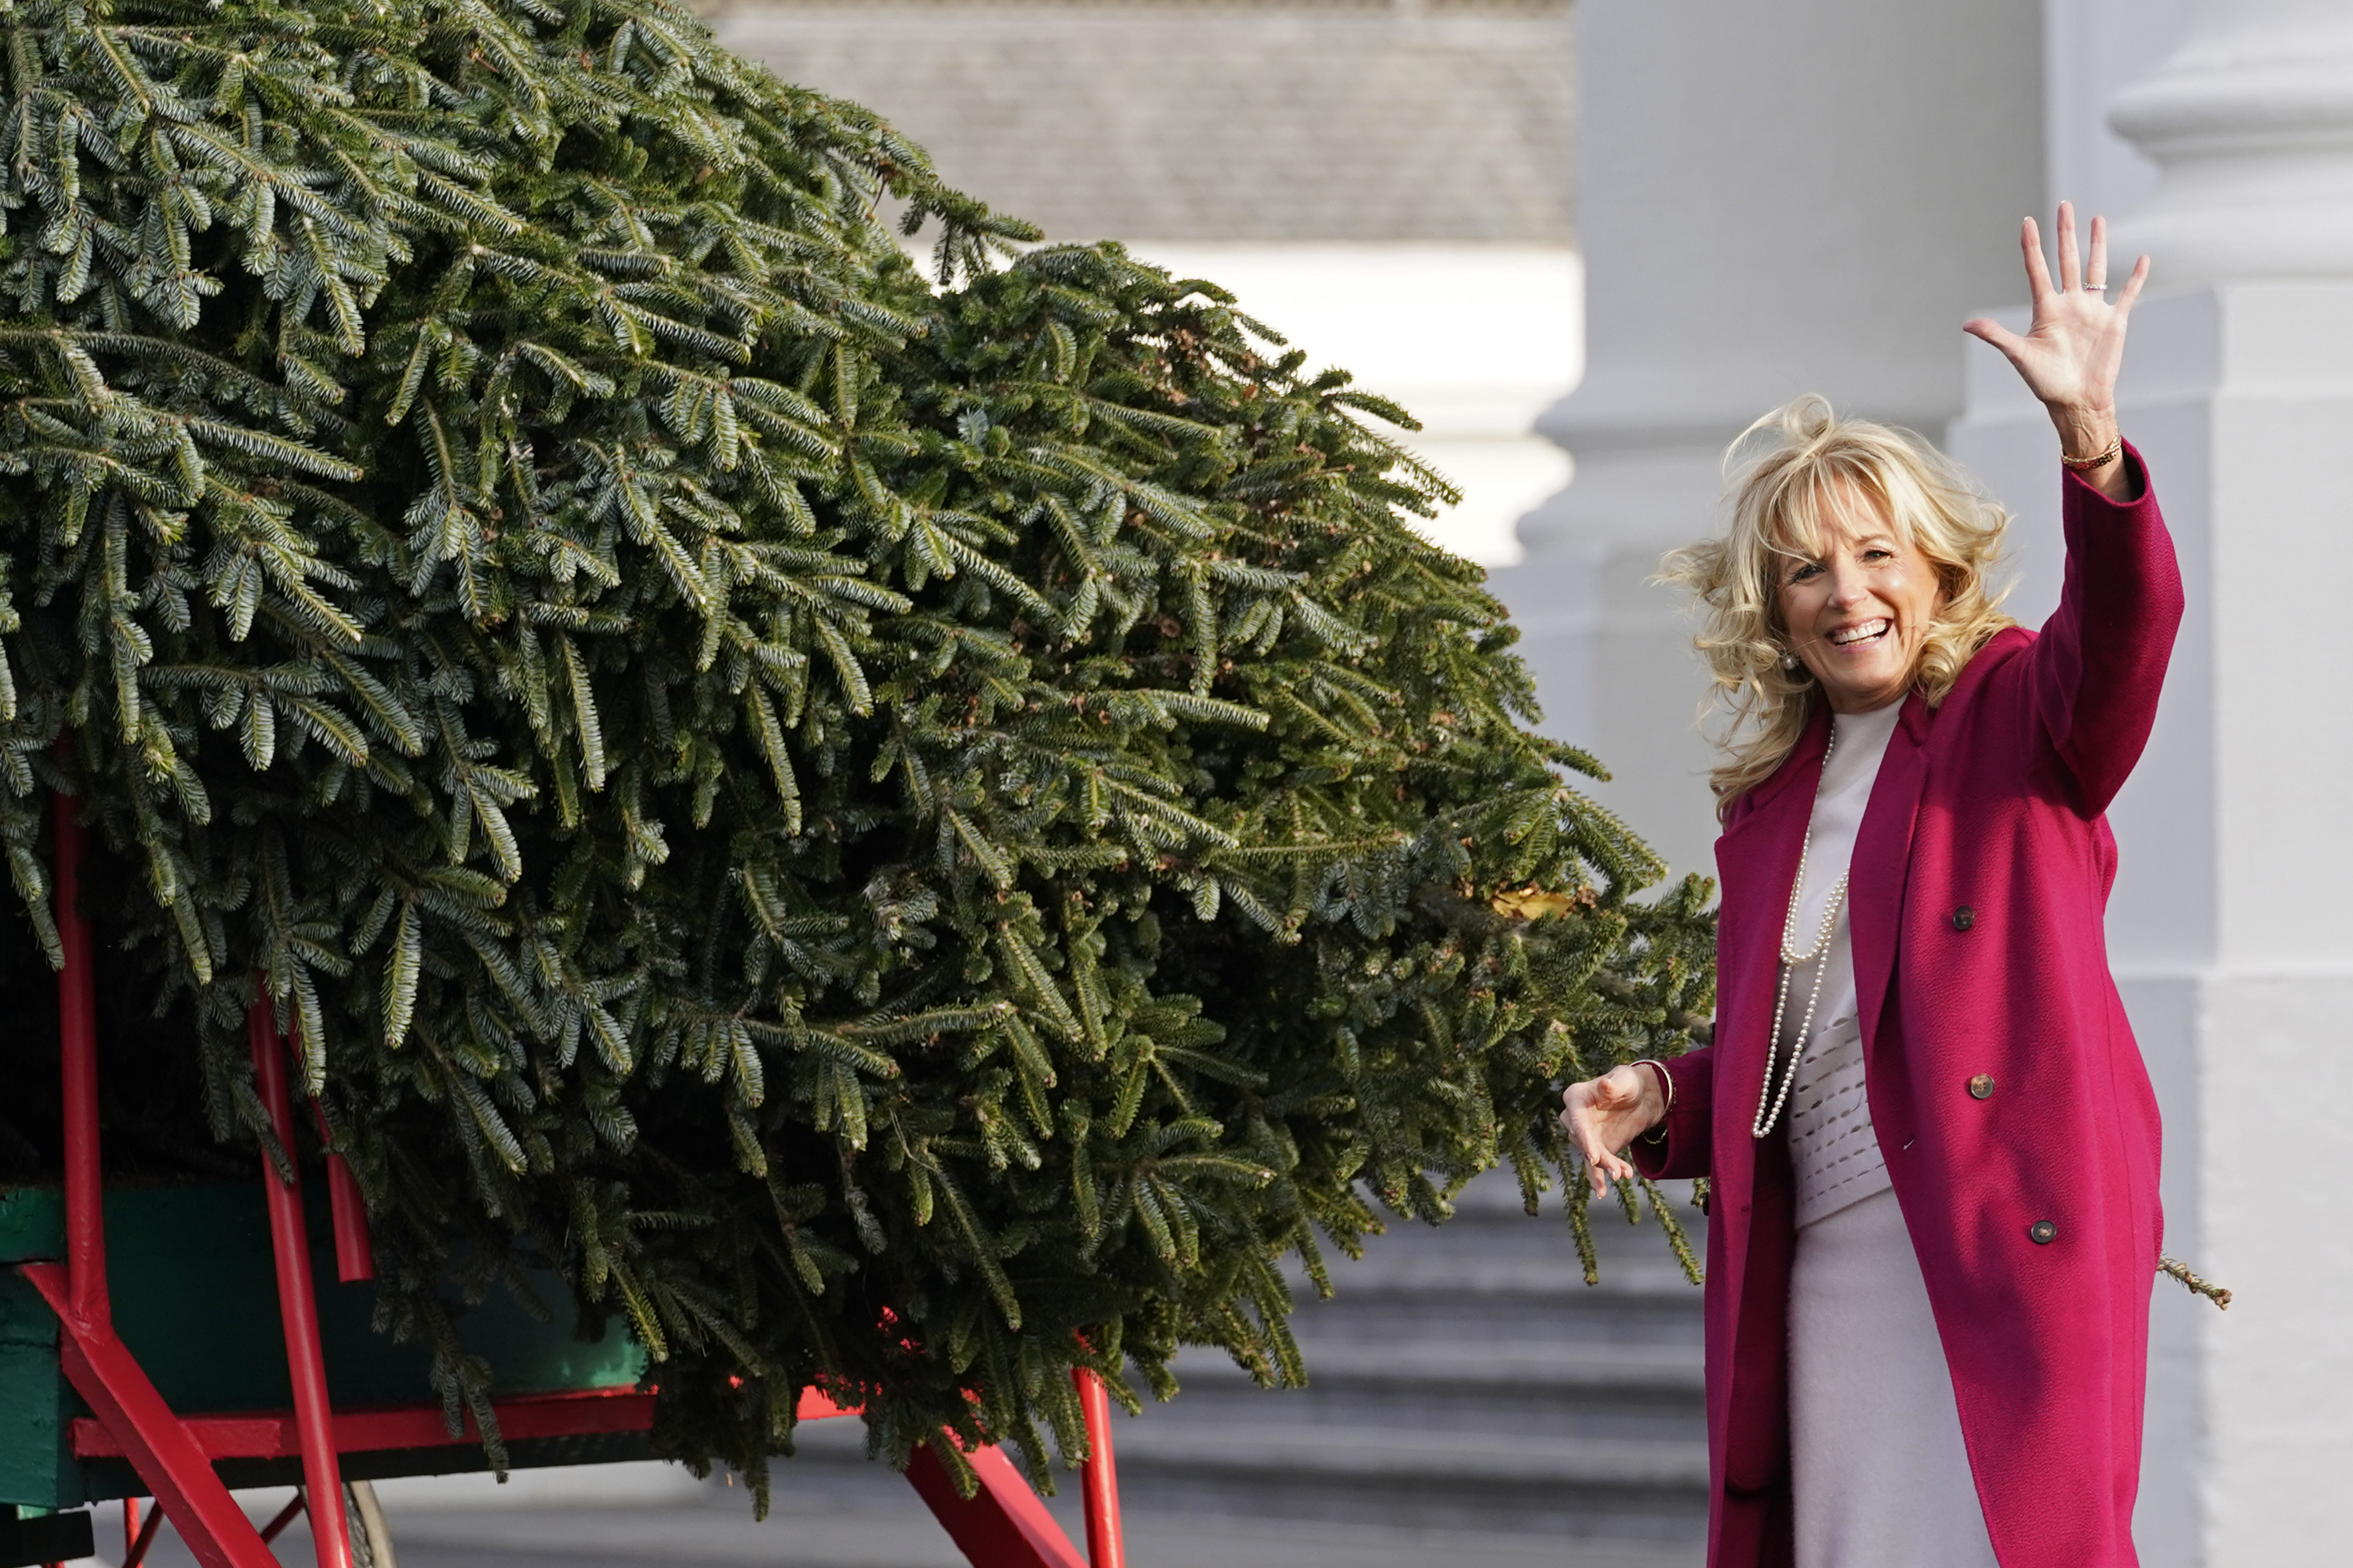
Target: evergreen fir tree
x=904, y=834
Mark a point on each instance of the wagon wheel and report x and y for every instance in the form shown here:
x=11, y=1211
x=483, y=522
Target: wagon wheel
x=371, y=1538
x=371, y=1542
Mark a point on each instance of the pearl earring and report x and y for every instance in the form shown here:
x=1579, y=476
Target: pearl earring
x=1788, y=661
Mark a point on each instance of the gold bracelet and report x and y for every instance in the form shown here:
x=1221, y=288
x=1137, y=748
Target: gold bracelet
x=2107, y=454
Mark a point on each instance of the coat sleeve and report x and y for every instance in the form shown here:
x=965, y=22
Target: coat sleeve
x=2099, y=665
x=1679, y=1146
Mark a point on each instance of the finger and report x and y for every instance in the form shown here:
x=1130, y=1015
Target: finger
x=1994, y=333
x=1579, y=1124
x=2038, y=274
x=2095, y=266
x=1602, y=1165
x=1604, y=1170
x=2132, y=287
x=1589, y=1146
x=2070, y=272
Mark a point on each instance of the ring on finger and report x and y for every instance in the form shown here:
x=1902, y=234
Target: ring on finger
x=2093, y=287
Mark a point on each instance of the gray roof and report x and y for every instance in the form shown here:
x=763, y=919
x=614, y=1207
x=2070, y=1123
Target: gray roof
x=1357, y=120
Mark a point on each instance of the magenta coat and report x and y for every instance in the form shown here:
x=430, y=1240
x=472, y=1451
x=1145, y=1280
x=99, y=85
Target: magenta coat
x=2004, y=1081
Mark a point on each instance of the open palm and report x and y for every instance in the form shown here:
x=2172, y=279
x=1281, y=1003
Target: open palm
x=2070, y=355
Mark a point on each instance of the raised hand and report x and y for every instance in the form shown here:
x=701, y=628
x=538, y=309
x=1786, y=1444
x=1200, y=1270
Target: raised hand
x=2070, y=355
x=1604, y=1114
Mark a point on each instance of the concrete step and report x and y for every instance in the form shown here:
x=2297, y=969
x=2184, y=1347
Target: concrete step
x=1495, y=1367
x=1632, y=1493
x=880, y=1525
x=1462, y=1377
x=1448, y=1460
x=1638, y=1392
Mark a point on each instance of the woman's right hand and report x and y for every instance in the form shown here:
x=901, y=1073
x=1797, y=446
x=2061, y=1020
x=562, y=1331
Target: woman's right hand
x=1604, y=1114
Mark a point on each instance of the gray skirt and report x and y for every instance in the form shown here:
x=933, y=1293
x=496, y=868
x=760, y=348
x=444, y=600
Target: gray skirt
x=1879, y=1476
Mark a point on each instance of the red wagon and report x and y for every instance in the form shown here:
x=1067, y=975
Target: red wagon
x=184, y=1391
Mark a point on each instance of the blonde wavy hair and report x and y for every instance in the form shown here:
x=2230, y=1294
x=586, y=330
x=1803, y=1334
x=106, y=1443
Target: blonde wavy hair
x=1787, y=473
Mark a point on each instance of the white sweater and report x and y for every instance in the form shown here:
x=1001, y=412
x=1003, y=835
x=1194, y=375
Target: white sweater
x=1833, y=1149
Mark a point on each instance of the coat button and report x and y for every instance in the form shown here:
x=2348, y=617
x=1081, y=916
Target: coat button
x=2043, y=1233
x=1964, y=918
x=1981, y=1086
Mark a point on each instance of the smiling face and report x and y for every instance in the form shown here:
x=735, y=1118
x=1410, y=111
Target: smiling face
x=1857, y=607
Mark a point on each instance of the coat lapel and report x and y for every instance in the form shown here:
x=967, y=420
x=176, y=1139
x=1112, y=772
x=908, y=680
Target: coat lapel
x=1757, y=860
x=1883, y=861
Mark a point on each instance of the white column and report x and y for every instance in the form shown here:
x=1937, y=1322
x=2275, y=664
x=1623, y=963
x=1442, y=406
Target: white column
x=2251, y=120
x=2231, y=926
x=1809, y=195
x=2092, y=49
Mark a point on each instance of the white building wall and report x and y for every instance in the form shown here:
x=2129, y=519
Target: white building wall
x=1777, y=200
x=1809, y=195
x=1475, y=339
x=1385, y=184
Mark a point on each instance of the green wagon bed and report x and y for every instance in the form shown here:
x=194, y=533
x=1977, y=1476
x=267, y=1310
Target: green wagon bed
x=194, y=1300
x=174, y=1342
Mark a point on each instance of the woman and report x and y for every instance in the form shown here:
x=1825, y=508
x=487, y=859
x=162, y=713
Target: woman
x=1932, y=1145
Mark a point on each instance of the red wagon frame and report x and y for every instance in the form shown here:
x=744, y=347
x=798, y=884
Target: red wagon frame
x=1003, y=1525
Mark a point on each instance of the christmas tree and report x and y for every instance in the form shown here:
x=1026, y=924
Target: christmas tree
x=906, y=833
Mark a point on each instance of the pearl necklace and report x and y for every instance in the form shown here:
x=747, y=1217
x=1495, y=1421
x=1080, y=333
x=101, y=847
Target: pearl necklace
x=1770, y=1102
